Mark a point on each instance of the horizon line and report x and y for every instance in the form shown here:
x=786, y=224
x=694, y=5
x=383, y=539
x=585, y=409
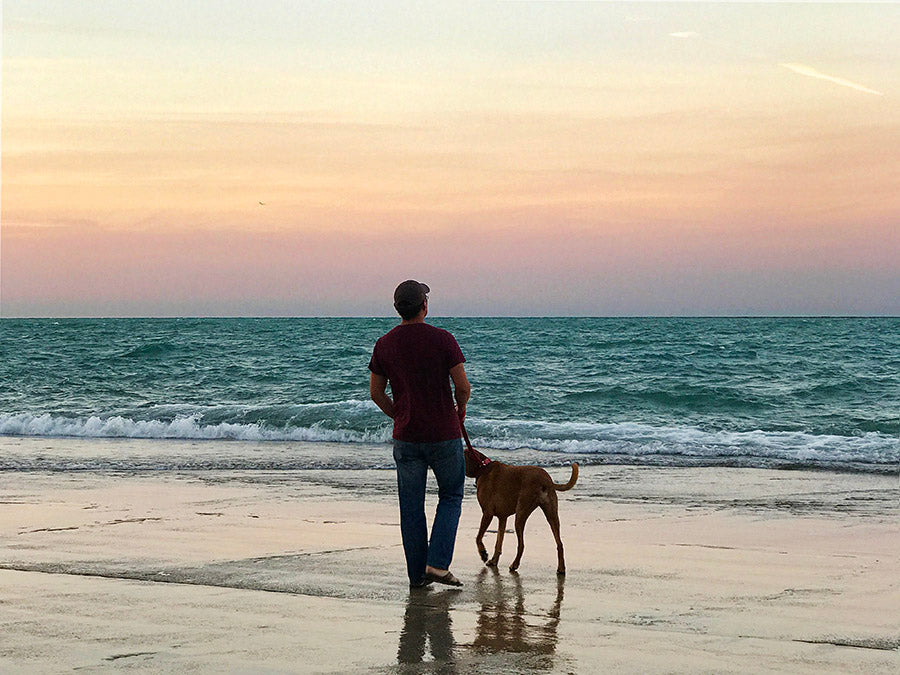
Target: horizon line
x=458, y=316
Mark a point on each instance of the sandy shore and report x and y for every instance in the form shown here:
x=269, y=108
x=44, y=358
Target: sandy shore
x=670, y=570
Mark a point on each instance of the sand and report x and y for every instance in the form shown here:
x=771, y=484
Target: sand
x=670, y=570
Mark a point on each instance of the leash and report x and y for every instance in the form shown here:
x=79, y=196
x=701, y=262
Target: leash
x=480, y=460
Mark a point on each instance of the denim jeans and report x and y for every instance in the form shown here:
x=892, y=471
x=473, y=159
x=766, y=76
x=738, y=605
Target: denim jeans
x=447, y=461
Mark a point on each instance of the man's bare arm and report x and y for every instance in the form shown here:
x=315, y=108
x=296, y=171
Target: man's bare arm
x=462, y=388
x=378, y=392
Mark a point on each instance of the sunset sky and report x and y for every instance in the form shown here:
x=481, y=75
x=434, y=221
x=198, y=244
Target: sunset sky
x=521, y=159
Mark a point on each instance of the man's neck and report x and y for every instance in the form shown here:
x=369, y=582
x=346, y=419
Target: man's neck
x=418, y=318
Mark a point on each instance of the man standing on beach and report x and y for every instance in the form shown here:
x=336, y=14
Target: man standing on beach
x=420, y=360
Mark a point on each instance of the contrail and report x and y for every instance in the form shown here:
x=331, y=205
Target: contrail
x=800, y=69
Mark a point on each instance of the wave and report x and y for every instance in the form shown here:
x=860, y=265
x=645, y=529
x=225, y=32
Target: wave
x=148, y=350
x=686, y=398
x=358, y=422
x=759, y=448
x=181, y=427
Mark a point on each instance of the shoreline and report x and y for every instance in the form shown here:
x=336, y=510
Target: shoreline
x=670, y=570
x=138, y=454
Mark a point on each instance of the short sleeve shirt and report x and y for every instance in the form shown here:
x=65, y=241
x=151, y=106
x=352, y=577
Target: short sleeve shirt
x=416, y=359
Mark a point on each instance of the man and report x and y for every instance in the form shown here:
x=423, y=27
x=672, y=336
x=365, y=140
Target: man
x=420, y=360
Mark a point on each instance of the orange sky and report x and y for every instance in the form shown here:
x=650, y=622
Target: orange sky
x=521, y=159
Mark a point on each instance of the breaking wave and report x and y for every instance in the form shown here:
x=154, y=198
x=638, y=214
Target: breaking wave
x=358, y=422
x=182, y=427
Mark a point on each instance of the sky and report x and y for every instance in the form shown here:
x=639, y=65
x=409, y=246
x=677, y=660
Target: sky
x=261, y=158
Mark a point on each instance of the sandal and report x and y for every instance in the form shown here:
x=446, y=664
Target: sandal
x=447, y=579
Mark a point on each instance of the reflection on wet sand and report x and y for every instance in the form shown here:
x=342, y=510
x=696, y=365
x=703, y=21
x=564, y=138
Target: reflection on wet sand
x=503, y=623
x=503, y=626
x=427, y=617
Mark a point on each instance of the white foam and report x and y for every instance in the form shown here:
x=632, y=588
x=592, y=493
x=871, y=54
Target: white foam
x=638, y=440
x=186, y=427
x=613, y=439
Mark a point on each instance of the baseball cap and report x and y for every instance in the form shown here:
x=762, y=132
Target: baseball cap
x=410, y=294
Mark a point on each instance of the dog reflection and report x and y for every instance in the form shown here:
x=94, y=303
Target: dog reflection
x=503, y=624
x=427, y=618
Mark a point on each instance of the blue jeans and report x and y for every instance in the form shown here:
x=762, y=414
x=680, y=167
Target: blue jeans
x=447, y=461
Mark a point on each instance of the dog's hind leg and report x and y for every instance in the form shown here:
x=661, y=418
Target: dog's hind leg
x=522, y=514
x=553, y=518
x=498, y=547
x=486, y=519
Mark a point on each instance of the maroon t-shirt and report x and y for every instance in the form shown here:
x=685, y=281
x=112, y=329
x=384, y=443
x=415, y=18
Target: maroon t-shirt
x=416, y=358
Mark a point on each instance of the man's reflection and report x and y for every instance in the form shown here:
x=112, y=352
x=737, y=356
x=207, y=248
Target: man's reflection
x=503, y=625
x=428, y=616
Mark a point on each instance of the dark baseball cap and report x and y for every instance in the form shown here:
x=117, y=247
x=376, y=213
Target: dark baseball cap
x=410, y=294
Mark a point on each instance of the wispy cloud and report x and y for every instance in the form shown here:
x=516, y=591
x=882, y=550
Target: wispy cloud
x=809, y=71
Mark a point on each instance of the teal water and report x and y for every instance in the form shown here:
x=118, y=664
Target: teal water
x=816, y=393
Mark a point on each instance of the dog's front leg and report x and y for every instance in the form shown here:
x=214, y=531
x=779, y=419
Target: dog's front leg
x=498, y=547
x=486, y=519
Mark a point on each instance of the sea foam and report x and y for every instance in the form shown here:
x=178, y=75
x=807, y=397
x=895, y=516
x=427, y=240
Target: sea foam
x=184, y=427
x=592, y=442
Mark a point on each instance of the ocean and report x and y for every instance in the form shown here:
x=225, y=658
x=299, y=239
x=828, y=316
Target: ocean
x=288, y=393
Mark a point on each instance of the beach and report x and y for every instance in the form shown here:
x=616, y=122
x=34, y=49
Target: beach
x=670, y=569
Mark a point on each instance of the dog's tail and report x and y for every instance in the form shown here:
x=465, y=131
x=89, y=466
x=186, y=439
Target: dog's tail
x=572, y=480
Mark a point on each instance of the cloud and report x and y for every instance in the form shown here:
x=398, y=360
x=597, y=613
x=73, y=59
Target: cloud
x=801, y=69
x=685, y=34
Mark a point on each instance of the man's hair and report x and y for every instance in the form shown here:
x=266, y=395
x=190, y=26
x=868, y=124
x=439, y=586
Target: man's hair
x=407, y=312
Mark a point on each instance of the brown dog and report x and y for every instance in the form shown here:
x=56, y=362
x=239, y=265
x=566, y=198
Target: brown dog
x=504, y=490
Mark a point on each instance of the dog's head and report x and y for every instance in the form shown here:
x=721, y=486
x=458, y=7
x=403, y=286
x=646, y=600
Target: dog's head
x=473, y=466
x=475, y=462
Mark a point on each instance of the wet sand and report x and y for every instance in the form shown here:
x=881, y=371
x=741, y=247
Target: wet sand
x=670, y=570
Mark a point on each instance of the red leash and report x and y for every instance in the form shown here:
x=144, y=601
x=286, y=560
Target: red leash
x=472, y=453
